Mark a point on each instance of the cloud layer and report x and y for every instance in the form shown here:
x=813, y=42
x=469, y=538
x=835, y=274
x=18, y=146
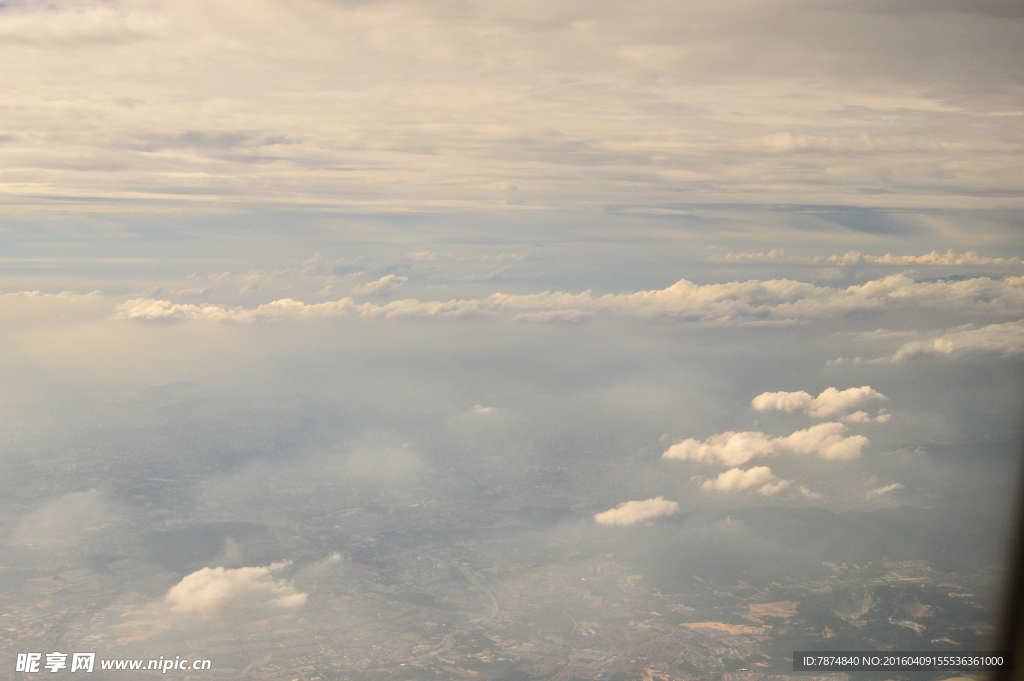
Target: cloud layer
x=411, y=105
x=750, y=302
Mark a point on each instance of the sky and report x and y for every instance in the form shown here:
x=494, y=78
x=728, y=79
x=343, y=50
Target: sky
x=750, y=260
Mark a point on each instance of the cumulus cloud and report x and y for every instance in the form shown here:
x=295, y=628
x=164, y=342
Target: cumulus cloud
x=730, y=448
x=760, y=478
x=831, y=402
x=733, y=449
x=1005, y=339
x=630, y=512
x=210, y=591
x=775, y=301
x=826, y=440
x=381, y=287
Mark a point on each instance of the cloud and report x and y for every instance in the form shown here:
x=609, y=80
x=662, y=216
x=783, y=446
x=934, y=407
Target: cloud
x=381, y=287
x=883, y=416
x=776, y=301
x=210, y=591
x=1006, y=340
x=630, y=512
x=91, y=25
x=948, y=258
x=569, y=316
x=831, y=401
x=149, y=310
x=760, y=478
x=788, y=142
x=804, y=492
x=65, y=521
x=784, y=401
x=887, y=488
x=733, y=449
x=730, y=448
x=826, y=440
x=195, y=292
x=480, y=75
x=773, y=254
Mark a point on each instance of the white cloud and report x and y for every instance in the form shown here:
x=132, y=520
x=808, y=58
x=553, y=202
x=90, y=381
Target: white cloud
x=831, y=401
x=730, y=448
x=948, y=258
x=805, y=492
x=630, y=512
x=783, y=401
x=733, y=449
x=826, y=440
x=90, y=25
x=195, y=292
x=751, y=302
x=887, y=488
x=863, y=417
x=145, y=309
x=382, y=286
x=760, y=478
x=210, y=591
x=570, y=316
x=1005, y=339
x=773, y=487
x=789, y=142
x=63, y=295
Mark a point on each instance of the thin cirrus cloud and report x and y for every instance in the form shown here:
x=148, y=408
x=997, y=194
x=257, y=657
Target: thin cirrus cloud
x=210, y=591
x=827, y=440
x=631, y=512
x=758, y=478
x=831, y=402
x=755, y=302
